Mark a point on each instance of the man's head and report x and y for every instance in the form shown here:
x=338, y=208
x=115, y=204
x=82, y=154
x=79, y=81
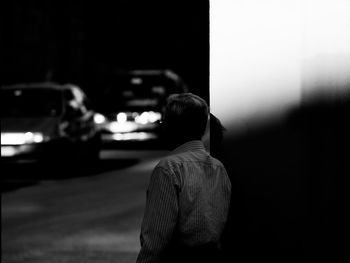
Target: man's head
x=185, y=118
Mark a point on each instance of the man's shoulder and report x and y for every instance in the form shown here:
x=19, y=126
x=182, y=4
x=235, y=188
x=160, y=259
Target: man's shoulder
x=175, y=160
x=217, y=162
x=171, y=160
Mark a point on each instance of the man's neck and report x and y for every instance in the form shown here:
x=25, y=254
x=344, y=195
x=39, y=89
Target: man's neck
x=173, y=144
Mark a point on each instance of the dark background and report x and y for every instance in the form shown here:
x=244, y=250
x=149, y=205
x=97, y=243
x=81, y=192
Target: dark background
x=290, y=186
x=89, y=42
x=290, y=183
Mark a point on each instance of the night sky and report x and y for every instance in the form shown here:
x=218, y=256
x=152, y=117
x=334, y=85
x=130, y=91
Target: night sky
x=89, y=42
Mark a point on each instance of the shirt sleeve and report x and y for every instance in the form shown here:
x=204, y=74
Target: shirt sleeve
x=160, y=216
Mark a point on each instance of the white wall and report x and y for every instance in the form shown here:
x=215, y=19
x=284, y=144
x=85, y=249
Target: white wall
x=266, y=55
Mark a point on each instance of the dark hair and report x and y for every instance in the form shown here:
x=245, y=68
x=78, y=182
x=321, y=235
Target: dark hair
x=185, y=117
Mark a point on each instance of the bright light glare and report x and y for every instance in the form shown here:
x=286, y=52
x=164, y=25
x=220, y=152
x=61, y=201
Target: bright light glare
x=143, y=118
x=122, y=117
x=12, y=138
x=254, y=57
x=38, y=137
x=7, y=151
x=326, y=25
x=21, y=138
x=154, y=116
x=133, y=136
x=148, y=117
x=28, y=136
x=33, y=137
x=99, y=118
x=263, y=52
x=122, y=127
x=326, y=48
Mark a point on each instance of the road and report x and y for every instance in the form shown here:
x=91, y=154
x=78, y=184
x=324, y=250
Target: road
x=77, y=216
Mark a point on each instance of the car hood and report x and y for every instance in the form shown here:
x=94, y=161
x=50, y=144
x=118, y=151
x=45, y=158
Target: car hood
x=47, y=126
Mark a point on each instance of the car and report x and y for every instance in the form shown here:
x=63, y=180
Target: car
x=131, y=107
x=47, y=121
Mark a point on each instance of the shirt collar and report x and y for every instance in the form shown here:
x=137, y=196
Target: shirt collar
x=195, y=145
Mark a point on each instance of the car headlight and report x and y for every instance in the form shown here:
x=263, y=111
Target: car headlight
x=148, y=117
x=21, y=138
x=99, y=118
x=122, y=117
x=33, y=137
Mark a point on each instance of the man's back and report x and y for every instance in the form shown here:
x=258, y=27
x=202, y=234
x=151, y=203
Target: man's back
x=193, y=209
x=203, y=193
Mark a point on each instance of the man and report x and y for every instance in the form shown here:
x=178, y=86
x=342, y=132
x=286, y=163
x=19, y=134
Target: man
x=189, y=191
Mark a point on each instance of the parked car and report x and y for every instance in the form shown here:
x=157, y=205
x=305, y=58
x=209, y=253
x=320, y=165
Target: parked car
x=131, y=108
x=47, y=121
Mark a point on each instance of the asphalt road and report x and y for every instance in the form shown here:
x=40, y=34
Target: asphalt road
x=64, y=214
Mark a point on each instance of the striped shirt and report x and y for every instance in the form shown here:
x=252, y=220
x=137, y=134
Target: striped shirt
x=188, y=199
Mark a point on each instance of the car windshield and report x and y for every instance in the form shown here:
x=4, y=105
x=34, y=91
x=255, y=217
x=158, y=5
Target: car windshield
x=138, y=93
x=30, y=102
